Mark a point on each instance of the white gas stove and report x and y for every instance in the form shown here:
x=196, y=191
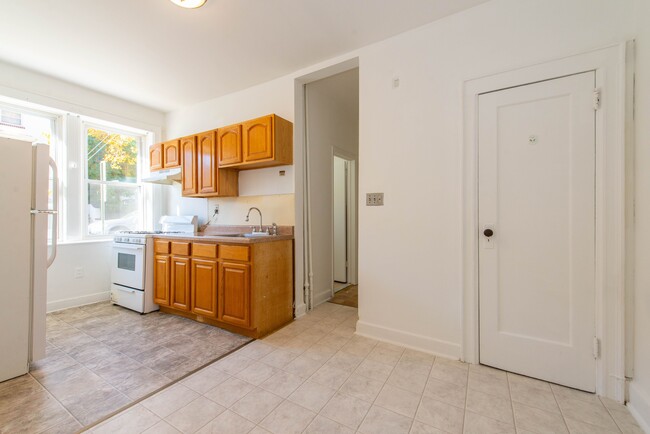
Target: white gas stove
x=132, y=263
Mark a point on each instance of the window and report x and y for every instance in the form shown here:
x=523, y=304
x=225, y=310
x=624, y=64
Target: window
x=113, y=182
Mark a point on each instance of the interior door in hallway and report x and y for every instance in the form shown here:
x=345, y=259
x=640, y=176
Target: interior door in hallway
x=340, y=212
x=537, y=230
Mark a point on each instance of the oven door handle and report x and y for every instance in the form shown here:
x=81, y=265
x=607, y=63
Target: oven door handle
x=123, y=289
x=128, y=246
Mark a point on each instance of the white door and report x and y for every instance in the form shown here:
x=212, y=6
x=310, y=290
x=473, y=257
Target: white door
x=536, y=226
x=340, y=211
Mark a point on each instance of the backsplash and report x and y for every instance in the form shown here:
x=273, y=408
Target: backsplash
x=277, y=208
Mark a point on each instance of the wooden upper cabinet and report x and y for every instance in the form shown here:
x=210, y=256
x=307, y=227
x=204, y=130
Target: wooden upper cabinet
x=171, y=154
x=258, y=139
x=229, y=146
x=180, y=283
x=156, y=157
x=204, y=287
x=161, y=280
x=234, y=293
x=207, y=163
x=188, y=165
x=267, y=142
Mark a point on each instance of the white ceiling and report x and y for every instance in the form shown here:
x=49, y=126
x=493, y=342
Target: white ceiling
x=165, y=57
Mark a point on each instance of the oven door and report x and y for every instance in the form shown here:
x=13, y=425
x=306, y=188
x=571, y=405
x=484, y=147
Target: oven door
x=128, y=265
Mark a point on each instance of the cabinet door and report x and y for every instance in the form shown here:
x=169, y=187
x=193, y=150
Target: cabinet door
x=207, y=163
x=180, y=283
x=161, y=280
x=204, y=287
x=229, y=145
x=172, y=154
x=258, y=139
x=188, y=159
x=155, y=157
x=234, y=294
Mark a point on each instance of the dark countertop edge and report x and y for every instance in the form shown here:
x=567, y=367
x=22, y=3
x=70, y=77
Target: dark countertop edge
x=226, y=239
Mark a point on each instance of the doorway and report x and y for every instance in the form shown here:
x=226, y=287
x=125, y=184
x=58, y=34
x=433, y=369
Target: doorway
x=536, y=146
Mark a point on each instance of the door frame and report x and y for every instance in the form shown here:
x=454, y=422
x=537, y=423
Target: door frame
x=611, y=209
x=351, y=215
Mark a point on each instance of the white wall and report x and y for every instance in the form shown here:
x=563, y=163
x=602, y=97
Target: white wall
x=64, y=290
x=410, y=149
x=640, y=386
x=332, y=121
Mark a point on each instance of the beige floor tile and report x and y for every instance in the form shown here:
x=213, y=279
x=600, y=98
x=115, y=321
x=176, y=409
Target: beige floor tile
x=384, y=355
x=537, y=420
x=346, y=410
x=303, y=366
x=206, y=379
x=227, y=422
x=256, y=350
x=449, y=373
x=578, y=427
x=233, y=364
x=134, y=420
x=490, y=406
x=162, y=427
x=440, y=415
x=375, y=370
x=533, y=396
x=288, y=418
x=256, y=405
x=408, y=380
x=169, y=400
x=229, y=392
x=256, y=373
x=562, y=392
x=259, y=430
x=623, y=418
x=592, y=413
x=70, y=426
x=282, y=383
x=489, y=384
x=421, y=428
x=279, y=358
x=450, y=393
x=345, y=361
x=362, y=387
x=417, y=356
x=323, y=425
x=528, y=381
x=312, y=396
x=330, y=376
x=382, y=421
x=39, y=412
x=478, y=424
x=357, y=349
x=194, y=415
x=422, y=368
x=488, y=370
x=398, y=400
x=451, y=362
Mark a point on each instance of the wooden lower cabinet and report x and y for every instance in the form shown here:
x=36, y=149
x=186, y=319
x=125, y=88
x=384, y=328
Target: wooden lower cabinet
x=244, y=288
x=204, y=284
x=161, y=280
x=234, y=293
x=180, y=283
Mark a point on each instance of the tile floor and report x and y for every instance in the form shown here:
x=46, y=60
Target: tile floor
x=317, y=376
x=101, y=358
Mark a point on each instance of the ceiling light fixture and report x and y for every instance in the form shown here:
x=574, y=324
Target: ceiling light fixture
x=189, y=4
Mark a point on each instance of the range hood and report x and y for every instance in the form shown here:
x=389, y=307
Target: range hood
x=167, y=176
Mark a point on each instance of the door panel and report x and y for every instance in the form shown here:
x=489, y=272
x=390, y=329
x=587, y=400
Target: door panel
x=340, y=221
x=180, y=283
x=258, y=139
x=234, y=293
x=161, y=280
x=229, y=140
x=536, y=192
x=207, y=164
x=171, y=154
x=204, y=287
x=188, y=164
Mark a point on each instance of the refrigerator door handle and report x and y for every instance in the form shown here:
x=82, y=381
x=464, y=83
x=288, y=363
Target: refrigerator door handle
x=55, y=209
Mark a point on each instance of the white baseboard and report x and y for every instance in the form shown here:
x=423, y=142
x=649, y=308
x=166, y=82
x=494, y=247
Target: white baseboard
x=410, y=340
x=300, y=310
x=78, y=301
x=639, y=406
x=322, y=297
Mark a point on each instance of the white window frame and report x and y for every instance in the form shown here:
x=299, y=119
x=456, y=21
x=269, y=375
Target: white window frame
x=143, y=137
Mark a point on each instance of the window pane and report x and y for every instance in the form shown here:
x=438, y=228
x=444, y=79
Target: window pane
x=112, y=156
x=119, y=205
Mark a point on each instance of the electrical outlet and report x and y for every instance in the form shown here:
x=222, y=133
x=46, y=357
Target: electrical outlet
x=78, y=273
x=216, y=210
x=374, y=199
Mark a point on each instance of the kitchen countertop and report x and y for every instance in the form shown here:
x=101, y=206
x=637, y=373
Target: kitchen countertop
x=224, y=238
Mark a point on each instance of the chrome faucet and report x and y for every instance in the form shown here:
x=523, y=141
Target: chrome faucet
x=248, y=215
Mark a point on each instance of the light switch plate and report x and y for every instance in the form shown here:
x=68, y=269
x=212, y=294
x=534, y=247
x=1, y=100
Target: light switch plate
x=374, y=199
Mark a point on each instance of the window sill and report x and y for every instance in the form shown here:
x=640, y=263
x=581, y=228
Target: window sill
x=98, y=240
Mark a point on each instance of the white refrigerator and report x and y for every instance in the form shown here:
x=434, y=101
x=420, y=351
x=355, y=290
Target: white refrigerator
x=28, y=201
